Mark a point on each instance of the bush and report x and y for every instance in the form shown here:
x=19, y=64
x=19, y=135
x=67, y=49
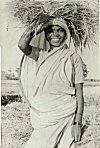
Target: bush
x=7, y=99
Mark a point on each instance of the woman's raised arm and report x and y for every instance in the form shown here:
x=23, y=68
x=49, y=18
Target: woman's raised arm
x=25, y=39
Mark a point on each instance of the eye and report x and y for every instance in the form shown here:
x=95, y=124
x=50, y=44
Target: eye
x=49, y=30
x=61, y=30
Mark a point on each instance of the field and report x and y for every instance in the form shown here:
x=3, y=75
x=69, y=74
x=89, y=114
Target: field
x=16, y=126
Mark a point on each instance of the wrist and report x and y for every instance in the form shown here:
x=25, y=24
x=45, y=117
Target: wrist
x=78, y=113
x=77, y=123
x=78, y=117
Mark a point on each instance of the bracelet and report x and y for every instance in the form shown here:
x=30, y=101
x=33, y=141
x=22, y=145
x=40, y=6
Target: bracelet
x=77, y=123
x=79, y=113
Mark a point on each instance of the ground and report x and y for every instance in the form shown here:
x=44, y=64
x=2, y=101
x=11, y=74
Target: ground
x=16, y=125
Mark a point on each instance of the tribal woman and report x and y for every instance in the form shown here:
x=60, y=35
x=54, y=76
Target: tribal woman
x=52, y=83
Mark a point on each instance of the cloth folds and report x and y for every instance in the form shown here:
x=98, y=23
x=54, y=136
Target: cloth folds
x=48, y=86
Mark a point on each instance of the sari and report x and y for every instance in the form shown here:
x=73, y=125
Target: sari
x=48, y=85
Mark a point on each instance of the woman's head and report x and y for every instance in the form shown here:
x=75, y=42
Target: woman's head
x=51, y=34
x=55, y=35
x=56, y=32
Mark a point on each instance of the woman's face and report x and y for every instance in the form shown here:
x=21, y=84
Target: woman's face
x=55, y=35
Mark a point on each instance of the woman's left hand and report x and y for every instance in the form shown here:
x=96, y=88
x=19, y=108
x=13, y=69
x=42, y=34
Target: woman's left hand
x=76, y=132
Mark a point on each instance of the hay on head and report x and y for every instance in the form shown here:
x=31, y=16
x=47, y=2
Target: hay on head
x=82, y=17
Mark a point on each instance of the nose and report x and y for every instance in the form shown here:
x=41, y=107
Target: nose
x=55, y=33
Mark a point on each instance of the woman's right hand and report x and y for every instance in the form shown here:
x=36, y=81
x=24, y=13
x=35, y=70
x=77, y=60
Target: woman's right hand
x=30, y=28
x=25, y=39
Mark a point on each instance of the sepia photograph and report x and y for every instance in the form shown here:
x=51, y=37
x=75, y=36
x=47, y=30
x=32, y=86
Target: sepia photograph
x=50, y=73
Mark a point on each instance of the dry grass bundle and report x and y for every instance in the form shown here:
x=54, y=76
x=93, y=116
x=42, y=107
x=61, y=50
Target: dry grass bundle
x=82, y=17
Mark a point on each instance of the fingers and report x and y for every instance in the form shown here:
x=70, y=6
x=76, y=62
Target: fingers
x=30, y=28
x=77, y=138
x=76, y=133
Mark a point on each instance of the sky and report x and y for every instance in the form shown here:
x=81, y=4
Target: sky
x=11, y=55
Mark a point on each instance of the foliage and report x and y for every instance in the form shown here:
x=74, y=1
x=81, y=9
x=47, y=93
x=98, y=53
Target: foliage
x=8, y=75
x=7, y=99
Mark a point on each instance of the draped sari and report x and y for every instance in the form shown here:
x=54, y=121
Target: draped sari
x=48, y=86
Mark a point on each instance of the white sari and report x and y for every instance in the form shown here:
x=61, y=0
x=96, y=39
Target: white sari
x=48, y=87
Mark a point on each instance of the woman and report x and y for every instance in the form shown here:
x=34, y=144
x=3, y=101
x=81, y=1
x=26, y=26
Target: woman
x=52, y=82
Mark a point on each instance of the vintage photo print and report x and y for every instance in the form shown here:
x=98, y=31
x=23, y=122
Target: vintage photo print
x=50, y=73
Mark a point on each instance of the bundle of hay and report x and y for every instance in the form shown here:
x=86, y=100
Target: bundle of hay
x=82, y=17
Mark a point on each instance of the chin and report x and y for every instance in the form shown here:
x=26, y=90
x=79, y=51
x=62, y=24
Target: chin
x=55, y=44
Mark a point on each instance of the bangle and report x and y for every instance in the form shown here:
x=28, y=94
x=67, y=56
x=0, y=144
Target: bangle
x=77, y=123
x=79, y=113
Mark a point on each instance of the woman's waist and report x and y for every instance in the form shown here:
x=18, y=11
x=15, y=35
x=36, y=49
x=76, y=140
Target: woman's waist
x=46, y=102
x=51, y=114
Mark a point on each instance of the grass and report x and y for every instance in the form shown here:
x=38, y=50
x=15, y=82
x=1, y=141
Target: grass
x=16, y=126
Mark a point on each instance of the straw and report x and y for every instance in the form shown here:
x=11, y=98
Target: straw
x=82, y=17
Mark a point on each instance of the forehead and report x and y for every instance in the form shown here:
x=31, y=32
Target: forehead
x=55, y=27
